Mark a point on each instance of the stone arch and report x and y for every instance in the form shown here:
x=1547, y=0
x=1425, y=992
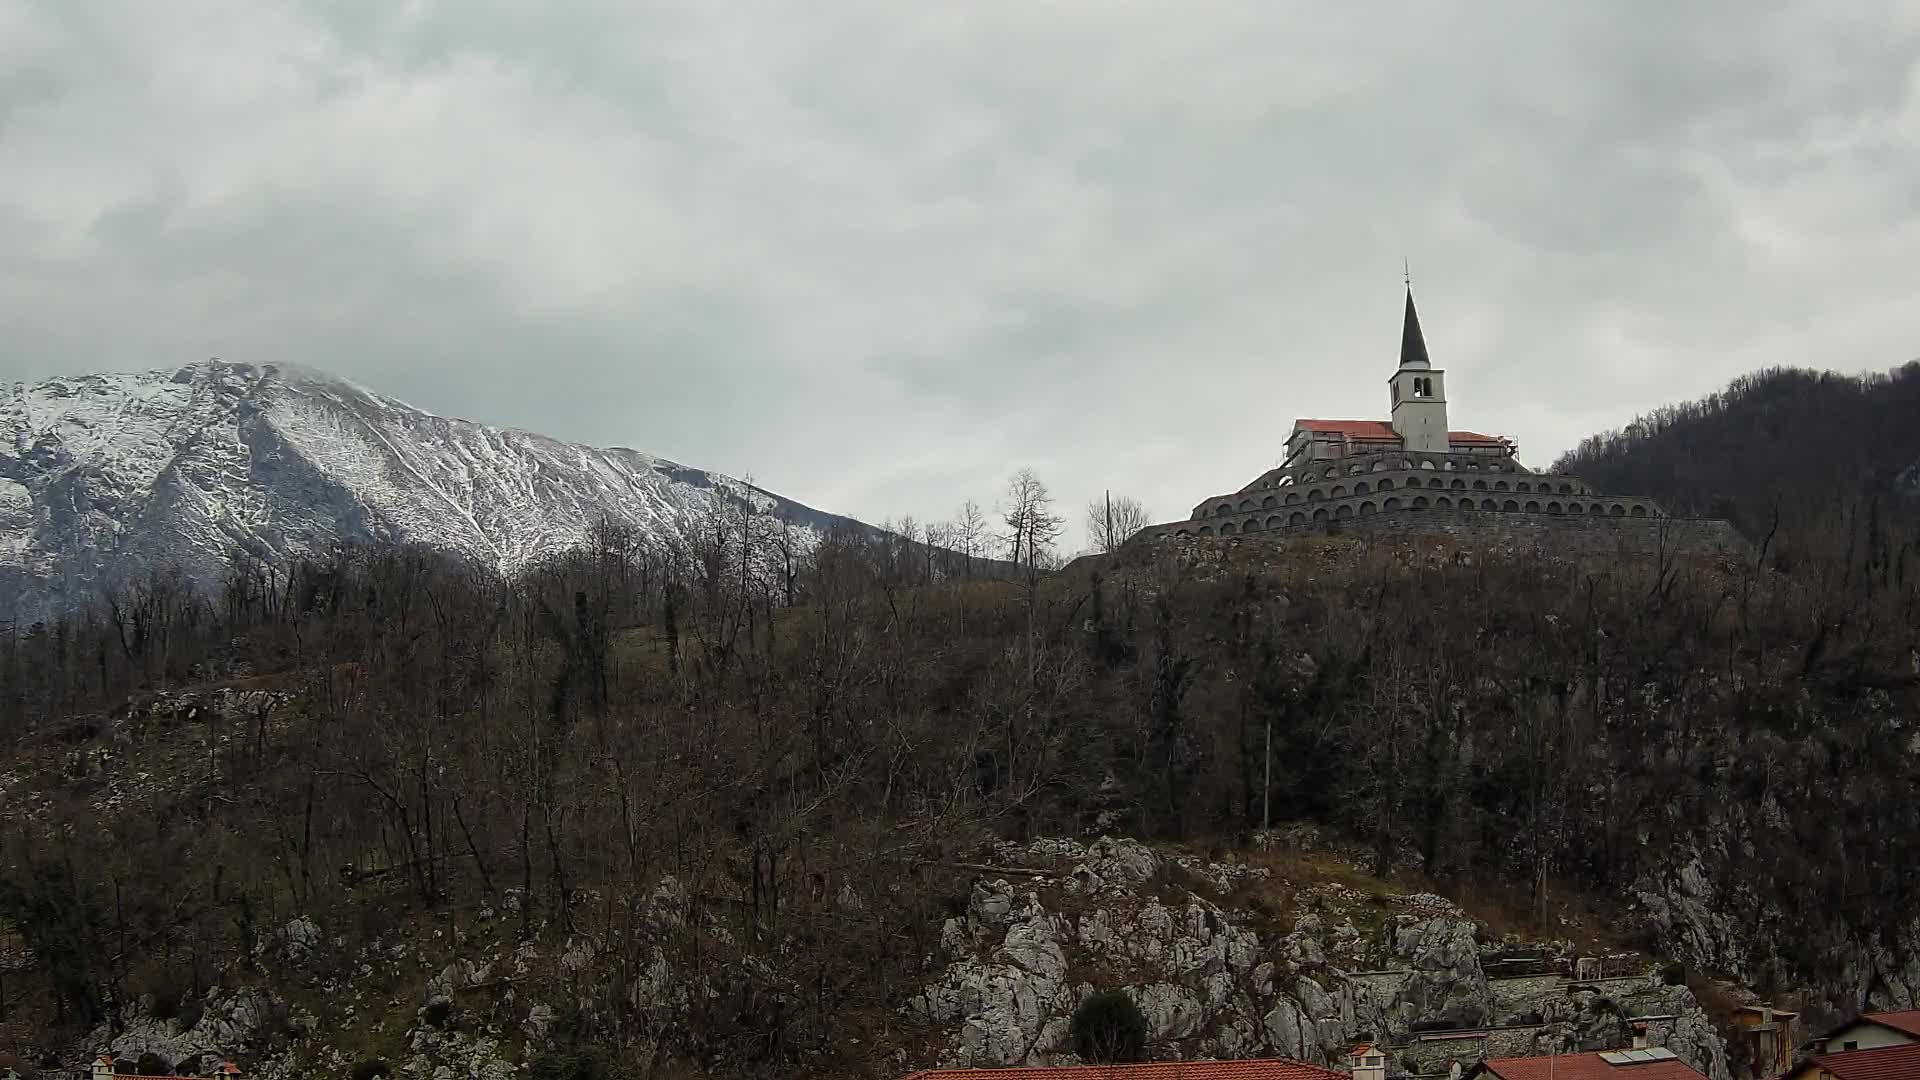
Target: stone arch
x=1223, y=508
x=1320, y=514
x=1246, y=504
x=1639, y=511
x=1183, y=535
x=1466, y=504
x=1555, y=508
x=1479, y=485
x=1392, y=504
x=1206, y=530
x=1436, y=482
x=1419, y=502
x=1443, y=503
x=1356, y=470
x=1619, y=510
x=1566, y=489
x=1500, y=485
x=1344, y=511
x=1381, y=465
x=1427, y=464
x=1297, y=518
x=1459, y=484
x=1274, y=522
x=1339, y=491
x=1361, y=488
x=1367, y=508
x=1330, y=474
x=1597, y=509
x=1521, y=486
x=1252, y=525
x=1292, y=497
x=1510, y=506
x=1533, y=506
x=1283, y=481
x=1269, y=501
x=1489, y=504
x=1386, y=483
x=1227, y=529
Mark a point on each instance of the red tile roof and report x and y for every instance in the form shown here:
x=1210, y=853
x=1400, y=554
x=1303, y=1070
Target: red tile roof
x=1352, y=429
x=1586, y=1067
x=1884, y=1063
x=1271, y=1069
x=1475, y=437
x=1906, y=1020
x=1382, y=431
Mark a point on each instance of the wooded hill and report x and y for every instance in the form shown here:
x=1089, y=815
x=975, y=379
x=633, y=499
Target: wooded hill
x=424, y=739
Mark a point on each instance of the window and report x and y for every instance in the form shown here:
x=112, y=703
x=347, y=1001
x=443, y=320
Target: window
x=1850, y=1044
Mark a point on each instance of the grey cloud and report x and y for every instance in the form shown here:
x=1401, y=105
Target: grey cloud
x=878, y=257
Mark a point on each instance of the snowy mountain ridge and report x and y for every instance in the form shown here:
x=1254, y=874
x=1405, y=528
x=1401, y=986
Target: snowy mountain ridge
x=102, y=476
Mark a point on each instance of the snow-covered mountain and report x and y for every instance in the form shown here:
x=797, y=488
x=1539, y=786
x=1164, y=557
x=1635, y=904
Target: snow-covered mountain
x=102, y=476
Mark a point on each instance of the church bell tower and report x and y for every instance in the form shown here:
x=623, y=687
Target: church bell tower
x=1419, y=391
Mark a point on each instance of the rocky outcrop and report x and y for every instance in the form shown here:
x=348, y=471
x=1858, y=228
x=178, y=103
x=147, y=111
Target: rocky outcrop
x=1210, y=985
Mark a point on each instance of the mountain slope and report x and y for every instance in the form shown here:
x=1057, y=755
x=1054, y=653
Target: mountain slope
x=102, y=476
x=1807, y=443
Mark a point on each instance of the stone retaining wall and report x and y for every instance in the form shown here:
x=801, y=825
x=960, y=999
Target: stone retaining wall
x=1567, y=534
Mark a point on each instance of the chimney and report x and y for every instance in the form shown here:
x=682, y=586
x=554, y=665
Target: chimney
x=1367, y=1062
x=1640, y=1036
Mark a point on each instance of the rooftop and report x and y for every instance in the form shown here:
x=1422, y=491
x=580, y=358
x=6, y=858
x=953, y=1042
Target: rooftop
x=1607, y=1065
x=1381, y=430
x=1267, y=1069
x=1905, y=1020
x=1884, y=1063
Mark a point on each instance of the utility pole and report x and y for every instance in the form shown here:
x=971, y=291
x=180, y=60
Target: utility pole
x=1106, y=541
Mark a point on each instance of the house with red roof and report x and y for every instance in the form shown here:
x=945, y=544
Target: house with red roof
x=1643, y=1064
x=104, y=1068
x=1264, y=1069
x=1900, y=1062
x=1872, y=1031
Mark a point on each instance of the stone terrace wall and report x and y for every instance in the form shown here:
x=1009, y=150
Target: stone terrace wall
x=1568, y=534
x=1562, y=534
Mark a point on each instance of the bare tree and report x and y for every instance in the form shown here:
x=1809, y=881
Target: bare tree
x=1111, y=521
x=1032, y=526
x=969, y=529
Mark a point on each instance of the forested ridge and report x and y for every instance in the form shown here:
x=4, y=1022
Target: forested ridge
x=1787, y=443
x=391, y=742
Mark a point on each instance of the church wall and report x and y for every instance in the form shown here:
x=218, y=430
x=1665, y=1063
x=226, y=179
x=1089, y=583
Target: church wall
x=1583, y=534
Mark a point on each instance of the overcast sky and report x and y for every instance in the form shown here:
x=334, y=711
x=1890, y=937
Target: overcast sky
x=879, y=253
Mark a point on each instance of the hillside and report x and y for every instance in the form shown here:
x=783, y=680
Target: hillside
x=103, y=476
x=1803, y=444
x=397, y=810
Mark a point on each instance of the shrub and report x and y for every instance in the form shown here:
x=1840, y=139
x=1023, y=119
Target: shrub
x=1109, y=1029
x=371, y=1069
x=565, y=1066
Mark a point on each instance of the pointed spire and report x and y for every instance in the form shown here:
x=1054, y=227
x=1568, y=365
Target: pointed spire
x=1413, y=344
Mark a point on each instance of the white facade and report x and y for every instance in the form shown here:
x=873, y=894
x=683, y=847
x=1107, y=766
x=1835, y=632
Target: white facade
x=1420, y=409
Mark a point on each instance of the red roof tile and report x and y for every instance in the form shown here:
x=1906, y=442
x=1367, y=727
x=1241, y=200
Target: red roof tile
x=1382, y=431
x=1586, y=1067
x=1884, y=1063
x=1906, y=1020
x=1352, y=429
x=1272, y=1069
